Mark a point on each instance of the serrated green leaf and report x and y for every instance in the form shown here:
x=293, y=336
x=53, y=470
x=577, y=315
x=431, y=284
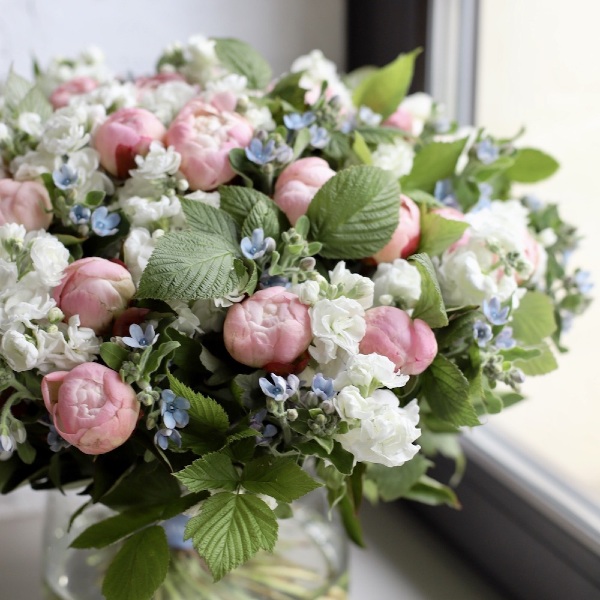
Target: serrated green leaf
x=361, y=149
x=287, y=88
x=280, y=478
x=544, y=362
x=263, y=215
x=395, y=482
x=139, y=568
x=355, y=213
x=383, y=89
x=534, y=319
x=485, y=172
x=214, y=471
x=531, y=165
x=434, y=493
x=379, y=135
x=341, y=459
x=430, y=307
x=187, y=266
x=518, y=353
x=113, y=355
x=241, y=58
x=15, y=89
x=35, y=102
x=204, y=218
x=433, y=162
x=26, y=452
x=459, y=328
x=230, y=529
x=157, y=355
x=439, y=233
x=447, y=393
x=238, y=202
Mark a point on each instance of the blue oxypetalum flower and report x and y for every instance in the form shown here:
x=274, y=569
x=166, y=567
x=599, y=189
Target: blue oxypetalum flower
x=482, y=333
x=323, y=387
x=140, y=338
x=258, y=245
x=284, y=154
x=174, y=410
x=80, y=215
x=368, y=116
x=260, y=152
x=163, y=436
x=55, y=441
x=267, y=281
x=487, y=151
x=495, y=313
x=65, y=177
x=281, y=389
x=319, y=136
x=295, y=121
x=105, y=223
x=444, y=192
x=504, y=339
x=582, y=281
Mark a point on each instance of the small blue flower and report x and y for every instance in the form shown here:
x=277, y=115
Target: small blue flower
x=267, y=281
x=284, y=154
x=80, y=215
x=368, y=116
x=174, y=410
x=55, y=441
x=268, y=431
x=482, y=333
x=504, y=339
x=65, y=177
x=444, y=192
x=487, y=151
x=295, y=121
x=140, y=338
x=162, y=437
x=517, y=376
x=566, y=320
x=175, y=530
x=257, y=246
x=494, y=312
x=281, y=389
x=319, y=136
x=260, y=152
x=105, y=223
x=583, y=283
x=533, y=203
x=323, y=387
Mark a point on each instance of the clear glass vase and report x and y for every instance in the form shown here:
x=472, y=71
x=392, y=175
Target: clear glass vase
x=309, y=562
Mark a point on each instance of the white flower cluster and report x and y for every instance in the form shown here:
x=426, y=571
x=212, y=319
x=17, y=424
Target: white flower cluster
x=33, y=336
x=397, y=284
x=396, y=157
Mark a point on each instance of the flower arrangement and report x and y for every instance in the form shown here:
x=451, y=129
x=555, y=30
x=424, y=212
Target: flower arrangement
x=210, y=276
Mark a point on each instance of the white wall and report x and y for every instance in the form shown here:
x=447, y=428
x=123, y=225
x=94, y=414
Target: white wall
x=132, y=33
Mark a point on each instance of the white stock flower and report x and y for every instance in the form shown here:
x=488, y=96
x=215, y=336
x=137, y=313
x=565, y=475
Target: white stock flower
x=352, y=285
x=27, y=301
x=138, y=247
x=396, y=157
x=260, y=117
x=351, y=405
x=5, y=133
x=308, y=292
x=166, y=100
x=30, y=123
x=399, y=280
x=50, y=258
x=145, y=212
x=20, y=353
x=159, y=163
x=340, y=322
x=187, y=322
x=210, y=317
x=211, y=198
x=419, y=106
x=111, y=95
x=65, y=131
x=386, y=437
x=369, y=371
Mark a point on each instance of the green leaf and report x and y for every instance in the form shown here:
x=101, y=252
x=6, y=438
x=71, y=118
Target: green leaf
x=433, y=162
x=94, y=198
x=230, y=529
x=383, y=89
x=459, y=329
x=395, y=482
x=439, y=233
x=543, y=363
x=429, y=491
x=35, y=102
x=263, y=215
x=15, y=90
x=214, y=471
x=287, y=88
x=531, y=165
x=280, y=478
x=518, y=353
x=157, y=355
x=241, y=58
x=430, y=307
x=139, y=568
x=447, y=392
x=204, y=218
x=361, y=149
x=187, y=266
x=534, y=319
x=26, y=452
x=379, y=135
x=355, y=213
x=350, y=520
x=238, y=202
x=341, y=459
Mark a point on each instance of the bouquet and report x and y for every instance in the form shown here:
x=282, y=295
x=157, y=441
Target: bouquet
x=213, y=278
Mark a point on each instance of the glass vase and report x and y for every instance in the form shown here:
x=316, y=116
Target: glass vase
x=309, y=561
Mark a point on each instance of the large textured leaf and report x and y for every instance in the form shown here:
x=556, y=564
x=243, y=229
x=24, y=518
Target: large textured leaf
x=241, y=58
x=532, y=165
x=439, y=233
x=187, y=266
x=355, y=213
x=204, y=218
x=214, y=471
x=230, y=529
x=430, y=307
x=534, y=319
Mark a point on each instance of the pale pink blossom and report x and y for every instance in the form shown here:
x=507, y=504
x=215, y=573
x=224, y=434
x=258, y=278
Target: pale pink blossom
x=126, y=133
x=91, y=407
x=409, y=343
x=154, y=81
x=405, y=240
x=298, y=183
x=400, y=119
x=96, y=289
x=62, y=95
x=272, y=326
x=204, y=134
x=26, y=203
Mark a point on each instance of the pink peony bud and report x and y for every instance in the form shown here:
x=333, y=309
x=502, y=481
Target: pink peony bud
x=26, y=203
x=91, y=407
x=62, y=95
x=405, y=240
x=125, y=134
x=155, y=81
x=204, y=134
x=400, y=119
x=96, y=289
x=298, y=184
x=409, y=344
x=270, y=326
